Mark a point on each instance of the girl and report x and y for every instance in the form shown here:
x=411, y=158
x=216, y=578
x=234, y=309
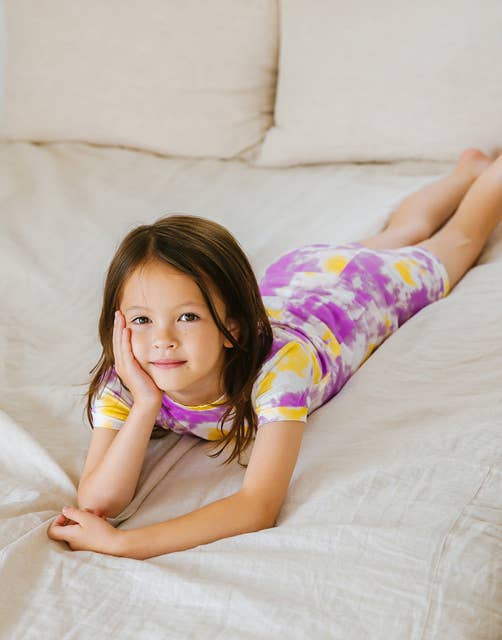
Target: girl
x=192, y=344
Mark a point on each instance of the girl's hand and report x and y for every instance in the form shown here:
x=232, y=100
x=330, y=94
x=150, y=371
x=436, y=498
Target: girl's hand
x=137, y=380
x=89, y=533
x=63, y=521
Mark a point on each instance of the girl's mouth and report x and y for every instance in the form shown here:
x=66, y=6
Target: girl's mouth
x=164, y=364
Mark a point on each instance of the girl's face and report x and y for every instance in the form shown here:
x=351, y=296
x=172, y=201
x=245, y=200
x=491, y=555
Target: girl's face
x=170, y=320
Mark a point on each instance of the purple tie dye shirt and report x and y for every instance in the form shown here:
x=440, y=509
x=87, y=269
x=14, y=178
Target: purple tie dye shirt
x=330, y=307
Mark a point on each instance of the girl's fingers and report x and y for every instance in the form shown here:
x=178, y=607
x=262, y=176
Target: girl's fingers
x=126, y=344
x=62, y=520
x=117, y=340
x=126, y=358
x=122, y=351
x=96, y=512
x=123, y=342
x=128, y=368
x=114, y=335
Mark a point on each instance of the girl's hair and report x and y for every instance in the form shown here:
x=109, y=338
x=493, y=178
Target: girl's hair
x=204, y=250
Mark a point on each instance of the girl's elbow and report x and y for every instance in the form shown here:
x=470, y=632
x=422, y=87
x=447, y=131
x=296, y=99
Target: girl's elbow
x=99, y=505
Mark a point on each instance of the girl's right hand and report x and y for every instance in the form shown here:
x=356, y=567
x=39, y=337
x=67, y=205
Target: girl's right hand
x=137, y=380
x=63, y=520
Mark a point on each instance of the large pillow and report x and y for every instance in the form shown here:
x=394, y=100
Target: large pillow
x=186, y=77
x=2, y=57
x=384, y=81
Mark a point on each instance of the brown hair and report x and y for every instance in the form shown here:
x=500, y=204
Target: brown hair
x=204, y=250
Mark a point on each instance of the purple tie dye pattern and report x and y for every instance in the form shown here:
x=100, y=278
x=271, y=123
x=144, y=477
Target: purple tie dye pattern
x=330, y=307
x=348, y=299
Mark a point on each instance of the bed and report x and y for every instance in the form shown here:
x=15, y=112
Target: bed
x=392, y=526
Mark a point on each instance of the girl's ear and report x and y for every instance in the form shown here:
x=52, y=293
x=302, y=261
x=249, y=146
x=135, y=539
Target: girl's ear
x=233, y=326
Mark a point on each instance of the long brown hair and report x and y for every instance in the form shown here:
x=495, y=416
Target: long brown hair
x=202, y=249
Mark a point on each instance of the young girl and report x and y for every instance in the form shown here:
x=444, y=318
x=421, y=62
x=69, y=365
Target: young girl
x=192, y=344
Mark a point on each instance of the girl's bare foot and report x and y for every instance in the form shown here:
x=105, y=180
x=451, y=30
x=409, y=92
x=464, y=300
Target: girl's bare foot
x=472, y=162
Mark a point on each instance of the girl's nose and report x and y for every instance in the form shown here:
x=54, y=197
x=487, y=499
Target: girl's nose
x=163, y=340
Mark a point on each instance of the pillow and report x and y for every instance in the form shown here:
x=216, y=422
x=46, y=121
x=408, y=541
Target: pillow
x=189, y=78
x=385, y=81
x=2, y=57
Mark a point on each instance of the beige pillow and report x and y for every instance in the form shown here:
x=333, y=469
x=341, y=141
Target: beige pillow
x=388, y=80
x=187, y=77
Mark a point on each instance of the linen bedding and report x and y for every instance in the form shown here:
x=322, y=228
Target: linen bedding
x=392, y=527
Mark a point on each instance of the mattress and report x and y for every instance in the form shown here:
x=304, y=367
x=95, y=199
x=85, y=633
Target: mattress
x=392, y=526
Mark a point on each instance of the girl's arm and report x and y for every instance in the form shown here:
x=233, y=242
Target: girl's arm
x=255, y=506
x=112, y=468
x=109, y=485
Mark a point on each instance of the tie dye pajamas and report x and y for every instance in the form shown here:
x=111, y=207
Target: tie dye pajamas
x=330, y=307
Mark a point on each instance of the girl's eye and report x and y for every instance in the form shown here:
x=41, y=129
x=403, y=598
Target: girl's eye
x=143, y=319
x=194, y=315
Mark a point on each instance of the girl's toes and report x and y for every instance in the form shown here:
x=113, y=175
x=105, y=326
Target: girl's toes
x=472, y=162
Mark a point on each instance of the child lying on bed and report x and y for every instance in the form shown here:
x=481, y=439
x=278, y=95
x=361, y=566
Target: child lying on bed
x=192, y=344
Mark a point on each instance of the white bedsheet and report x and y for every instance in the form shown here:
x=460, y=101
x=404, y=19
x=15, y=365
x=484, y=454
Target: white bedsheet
x=392, y=528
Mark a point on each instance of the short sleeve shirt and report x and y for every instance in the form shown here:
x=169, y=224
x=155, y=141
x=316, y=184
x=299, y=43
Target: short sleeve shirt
x=282, y=391
x=330, y=307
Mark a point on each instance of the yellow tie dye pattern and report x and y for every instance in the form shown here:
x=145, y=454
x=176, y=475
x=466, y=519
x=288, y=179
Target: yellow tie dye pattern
x=275, y=314
x=332, y=343
x=404, y=271
x=113, y=407
x=335, y=264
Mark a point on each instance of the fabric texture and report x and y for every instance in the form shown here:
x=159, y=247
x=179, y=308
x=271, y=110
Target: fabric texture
x=330, y=307
x=392, y=524
x=384, y=82
x=184, y=78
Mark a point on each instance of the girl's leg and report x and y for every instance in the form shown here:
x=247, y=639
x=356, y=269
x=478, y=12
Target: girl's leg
x=426, y=210
x=459, y=243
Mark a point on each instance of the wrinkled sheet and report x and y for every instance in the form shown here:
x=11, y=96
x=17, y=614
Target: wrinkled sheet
x=392, y=527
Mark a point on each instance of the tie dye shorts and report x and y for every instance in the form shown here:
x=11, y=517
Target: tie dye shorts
x=347, y=299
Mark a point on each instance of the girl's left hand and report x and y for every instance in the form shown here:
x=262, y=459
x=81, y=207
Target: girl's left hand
x=89, y=533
